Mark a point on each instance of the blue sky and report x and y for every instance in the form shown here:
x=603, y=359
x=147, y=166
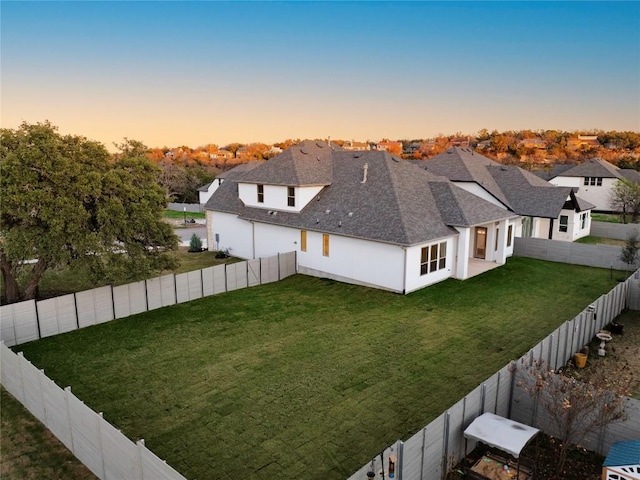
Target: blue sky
x=191, y=73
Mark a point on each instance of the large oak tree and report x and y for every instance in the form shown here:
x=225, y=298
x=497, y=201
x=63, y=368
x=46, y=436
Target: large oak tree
x=66, y=201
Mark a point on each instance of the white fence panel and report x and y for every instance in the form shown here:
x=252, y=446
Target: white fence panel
x=130, y=299
x=195, y=284
x=207, y=282
x=7, y=328
x=455, y=443
x=94, y=306
x=155, y=469
x=219, y=279
x=269, y=270
x=31, y=385
x=287, y=264
x=57, y=411
x=434, y=449
x=161, y=291
x=85, y=429
x=412, y=453
x=23, y=319
x=214, y=280
x=121, y=456
x=182, y=287
x=57, y=315
x=10, y=372
x=253, y=272
x=236, y=276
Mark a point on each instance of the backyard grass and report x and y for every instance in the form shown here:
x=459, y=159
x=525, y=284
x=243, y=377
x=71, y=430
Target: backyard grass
x=600, y=241
x=308, y=378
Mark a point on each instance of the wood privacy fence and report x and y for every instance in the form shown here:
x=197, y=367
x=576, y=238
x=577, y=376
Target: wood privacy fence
x=31, y=320
x=107, y=452
x=432, y=451
x=602, y=256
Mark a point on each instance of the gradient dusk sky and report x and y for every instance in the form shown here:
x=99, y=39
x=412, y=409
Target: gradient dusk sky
x=192, y=73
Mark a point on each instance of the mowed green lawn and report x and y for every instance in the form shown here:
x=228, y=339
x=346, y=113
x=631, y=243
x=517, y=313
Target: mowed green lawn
x=309, y=378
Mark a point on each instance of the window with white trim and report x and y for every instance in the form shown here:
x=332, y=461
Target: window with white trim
x=433, y=258
x=260, y=193
x=291, y=196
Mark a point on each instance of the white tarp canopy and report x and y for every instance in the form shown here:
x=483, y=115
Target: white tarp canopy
x=500, y=432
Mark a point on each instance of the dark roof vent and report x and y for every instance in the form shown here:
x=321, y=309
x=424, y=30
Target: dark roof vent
x=320, y=144
x=304, y=151
x=357, y=154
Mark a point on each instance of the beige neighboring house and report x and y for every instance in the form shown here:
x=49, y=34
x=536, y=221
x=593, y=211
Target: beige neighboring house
x=594, y=181
x=352, y=145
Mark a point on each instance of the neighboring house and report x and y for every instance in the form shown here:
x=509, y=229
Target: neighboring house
x=363, y=217
x=352, y=145
x=594, y=181
x=547, y=211
x=533, y=143
x=395, y=148
x=583, y=141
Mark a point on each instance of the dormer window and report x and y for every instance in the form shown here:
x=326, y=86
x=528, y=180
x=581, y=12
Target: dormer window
x=593, y=181
x=291, y=196
x=260, y=193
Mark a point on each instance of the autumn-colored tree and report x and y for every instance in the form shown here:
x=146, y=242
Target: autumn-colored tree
x=233, y=148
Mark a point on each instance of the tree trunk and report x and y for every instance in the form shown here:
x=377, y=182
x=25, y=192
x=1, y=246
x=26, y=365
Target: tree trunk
x=31, y=289
x=10, y=284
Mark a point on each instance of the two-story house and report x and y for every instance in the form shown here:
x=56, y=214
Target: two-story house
x=594, y=181
x=363, y=217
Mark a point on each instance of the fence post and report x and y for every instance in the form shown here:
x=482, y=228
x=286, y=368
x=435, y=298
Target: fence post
x=140, y=444
x=424, y=451
x=445, y=450
x=38, y=319
x=67, y=392
x=512, y=370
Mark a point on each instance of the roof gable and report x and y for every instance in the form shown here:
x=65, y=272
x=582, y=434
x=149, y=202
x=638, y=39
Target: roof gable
x=308, y=163
x=594, y=167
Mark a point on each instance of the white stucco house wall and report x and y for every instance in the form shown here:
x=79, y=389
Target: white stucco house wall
x=594, y=180
x=545, y=210
x=362, y=217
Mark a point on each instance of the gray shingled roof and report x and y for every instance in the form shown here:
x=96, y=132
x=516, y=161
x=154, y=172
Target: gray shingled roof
x=460, y=164
x=630, y=174
x=519, y=190
x=204, y=187
x=594, y=167
x=308, y=163
x=397, y=204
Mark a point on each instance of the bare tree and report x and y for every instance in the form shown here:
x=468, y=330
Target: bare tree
x=575, y=406
x=625, y=198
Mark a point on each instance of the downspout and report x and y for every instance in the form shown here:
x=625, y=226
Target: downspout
x=253, y=239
